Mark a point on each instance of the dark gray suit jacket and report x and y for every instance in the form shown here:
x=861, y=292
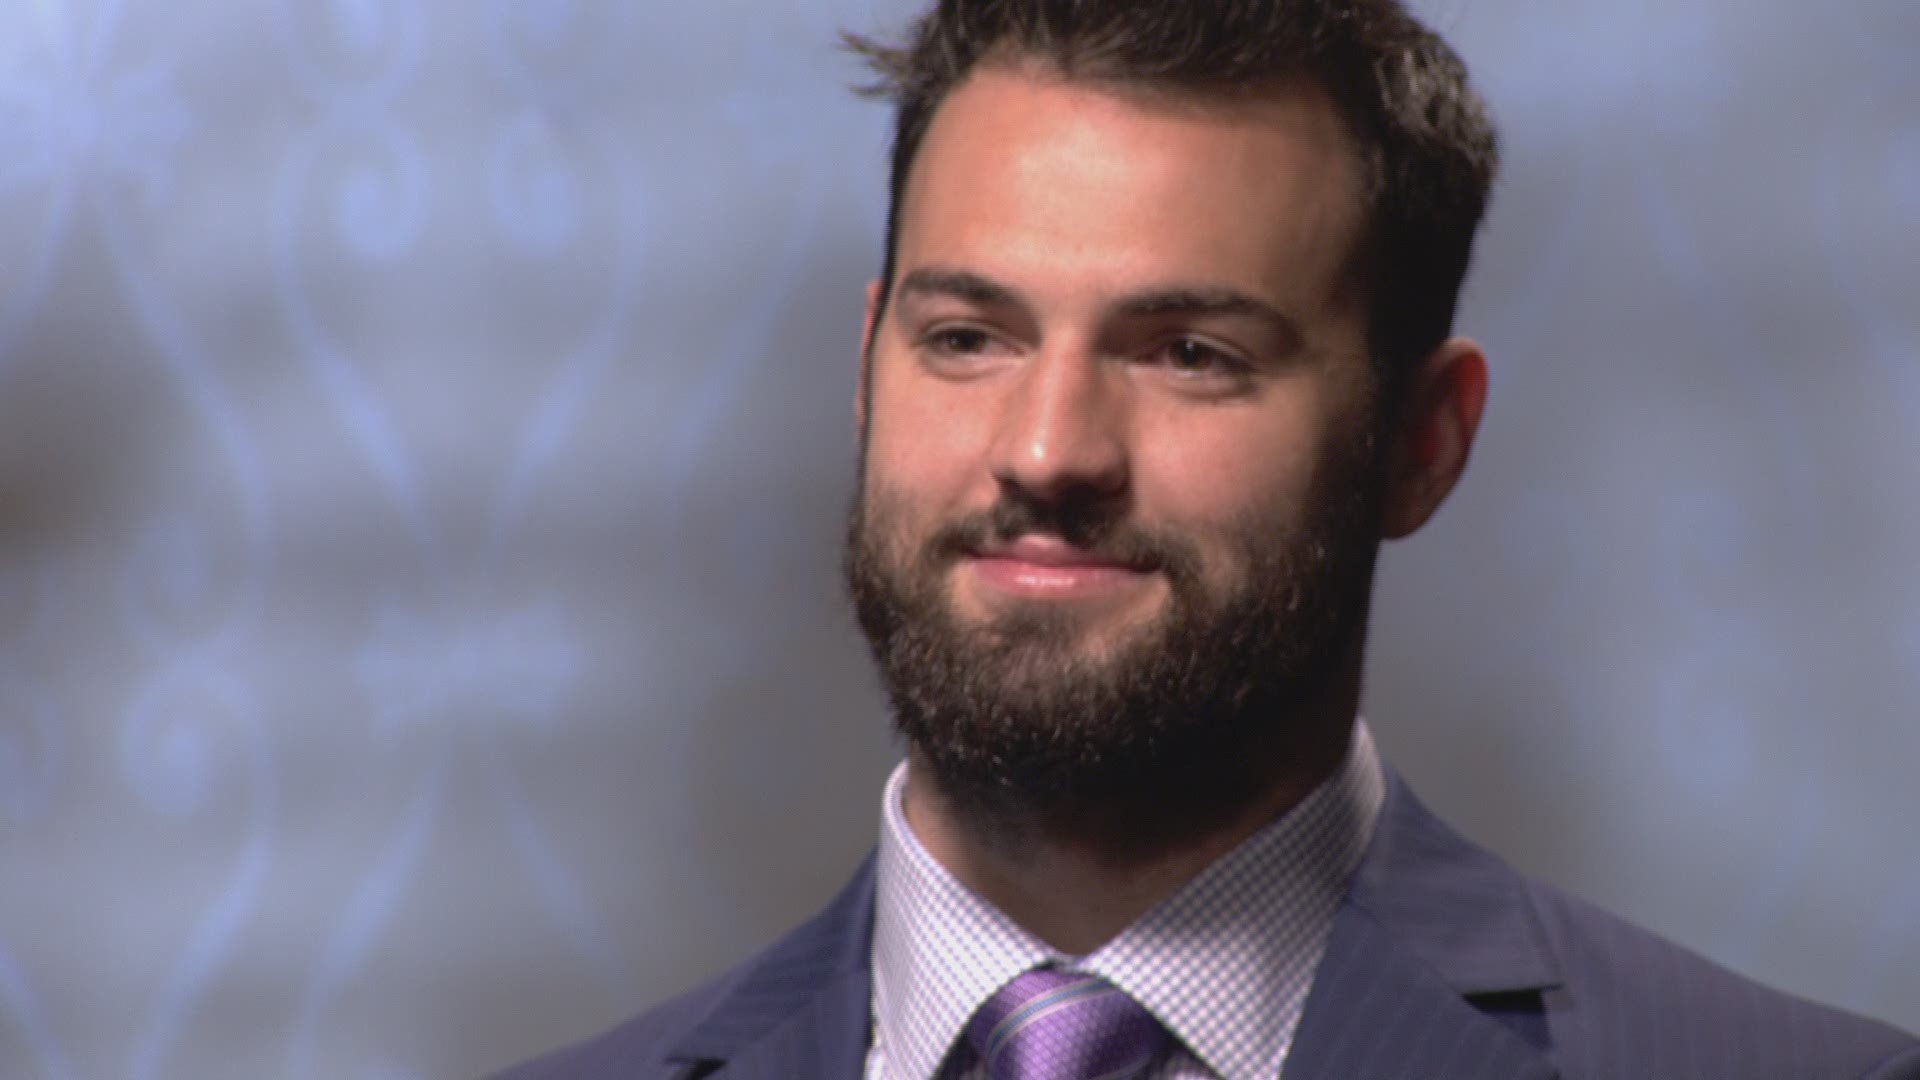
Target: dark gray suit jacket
x=1444, y=964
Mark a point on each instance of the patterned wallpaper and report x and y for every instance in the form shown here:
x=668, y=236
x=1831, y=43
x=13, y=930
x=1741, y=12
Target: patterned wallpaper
x=425, y=429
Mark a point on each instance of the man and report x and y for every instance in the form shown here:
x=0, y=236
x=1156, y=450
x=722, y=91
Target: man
x=1161, y=351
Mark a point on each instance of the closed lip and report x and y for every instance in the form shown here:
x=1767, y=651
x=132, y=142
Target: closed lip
x=1058, y=555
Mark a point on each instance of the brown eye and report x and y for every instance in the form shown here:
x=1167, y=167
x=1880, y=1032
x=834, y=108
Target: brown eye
x=1191, y=357
x=958, y=341
x=1196, y=367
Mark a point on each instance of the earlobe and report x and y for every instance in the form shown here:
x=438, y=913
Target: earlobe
x=1444, y=399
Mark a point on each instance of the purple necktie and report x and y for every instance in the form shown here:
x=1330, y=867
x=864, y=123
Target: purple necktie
x=1056, y=1025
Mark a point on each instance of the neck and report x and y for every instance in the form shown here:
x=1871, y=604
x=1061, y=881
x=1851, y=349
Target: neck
x=1076, y=876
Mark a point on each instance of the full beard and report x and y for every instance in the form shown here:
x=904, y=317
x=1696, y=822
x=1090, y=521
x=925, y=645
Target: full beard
x=1159, y=738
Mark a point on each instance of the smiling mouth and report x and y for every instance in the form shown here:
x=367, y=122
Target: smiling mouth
x=1046, y=569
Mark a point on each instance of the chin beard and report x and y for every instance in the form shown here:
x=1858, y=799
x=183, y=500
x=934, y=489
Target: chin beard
x=1166, y=734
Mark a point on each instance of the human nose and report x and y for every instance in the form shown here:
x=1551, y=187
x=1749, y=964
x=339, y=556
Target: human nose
x=1060, y=431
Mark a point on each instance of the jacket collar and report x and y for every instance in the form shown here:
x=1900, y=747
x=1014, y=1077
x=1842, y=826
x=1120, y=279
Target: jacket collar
x=801, y=1009
x=1456, y=906
x=1430, y=923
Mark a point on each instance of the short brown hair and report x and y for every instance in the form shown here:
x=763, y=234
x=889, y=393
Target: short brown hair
x=1427, y=148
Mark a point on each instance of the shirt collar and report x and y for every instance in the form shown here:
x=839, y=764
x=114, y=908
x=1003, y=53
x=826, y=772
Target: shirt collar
x=1225, y=962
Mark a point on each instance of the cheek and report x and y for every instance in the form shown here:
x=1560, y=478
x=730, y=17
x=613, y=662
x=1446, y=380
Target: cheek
x=1225, y=469
x=922, y=439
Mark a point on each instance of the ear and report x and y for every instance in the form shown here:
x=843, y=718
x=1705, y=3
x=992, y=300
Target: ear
x=1438, y=418
x=867, y=330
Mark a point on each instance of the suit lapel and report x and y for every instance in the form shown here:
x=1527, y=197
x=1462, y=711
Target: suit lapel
x=1378, y=1011
x=826, y=1039
x=800, y=1012
x=1430, y=923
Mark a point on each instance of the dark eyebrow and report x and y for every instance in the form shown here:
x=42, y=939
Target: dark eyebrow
x=959, y=285
x=1191, y=302
x=1215, y=303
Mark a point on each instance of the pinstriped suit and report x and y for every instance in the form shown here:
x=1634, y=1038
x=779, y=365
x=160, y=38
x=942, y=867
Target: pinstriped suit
x=1444, y=964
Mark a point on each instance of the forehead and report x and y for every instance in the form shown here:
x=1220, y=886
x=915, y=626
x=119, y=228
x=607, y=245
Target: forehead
x=1025, y=171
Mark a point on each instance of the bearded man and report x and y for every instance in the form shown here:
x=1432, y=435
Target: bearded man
x=1160, y=353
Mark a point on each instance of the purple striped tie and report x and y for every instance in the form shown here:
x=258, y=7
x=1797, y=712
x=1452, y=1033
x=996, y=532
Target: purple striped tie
x=1056, y=1025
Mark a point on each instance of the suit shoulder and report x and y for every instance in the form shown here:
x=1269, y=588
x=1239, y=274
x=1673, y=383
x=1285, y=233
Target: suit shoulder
x=635, y=1048
x=1636, y=1004
x=732, y=1010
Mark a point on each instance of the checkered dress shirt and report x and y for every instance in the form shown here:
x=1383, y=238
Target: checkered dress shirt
x=1225, y=963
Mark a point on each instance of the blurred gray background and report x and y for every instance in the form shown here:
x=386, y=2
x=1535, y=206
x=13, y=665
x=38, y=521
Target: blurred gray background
x=425, y=430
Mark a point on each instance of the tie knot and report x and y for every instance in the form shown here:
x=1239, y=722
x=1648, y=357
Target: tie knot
x=1056, y=1025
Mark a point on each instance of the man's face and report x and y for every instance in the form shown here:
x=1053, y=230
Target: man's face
x=1117, y=476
